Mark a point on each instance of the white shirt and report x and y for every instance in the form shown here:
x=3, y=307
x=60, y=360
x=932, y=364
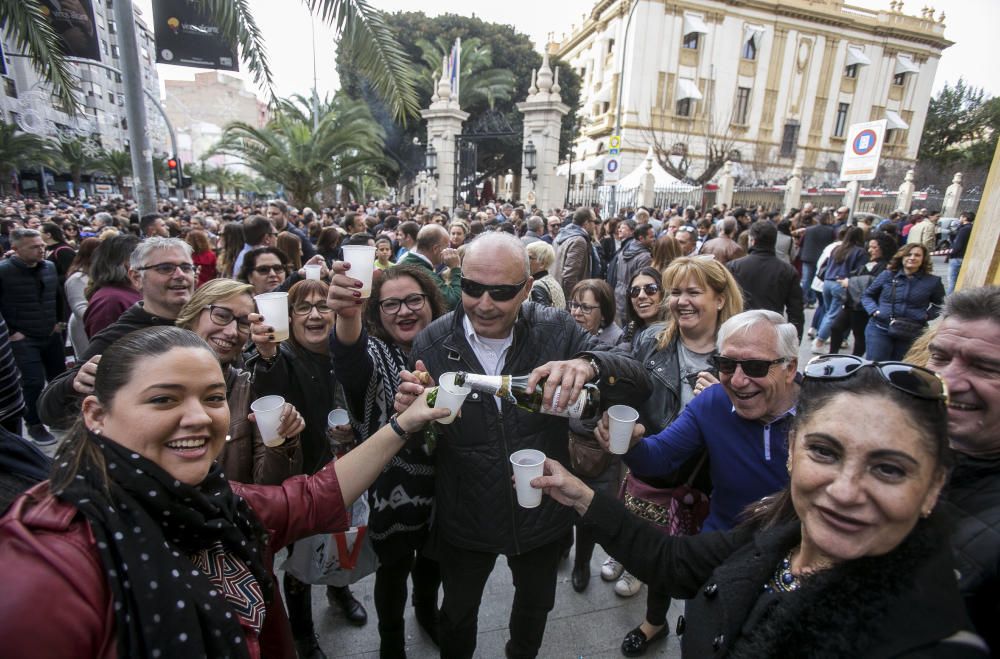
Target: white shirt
x=490, y=352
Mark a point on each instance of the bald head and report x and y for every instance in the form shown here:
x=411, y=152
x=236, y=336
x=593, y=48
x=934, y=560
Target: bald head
x=429, y=237
x=496, y=246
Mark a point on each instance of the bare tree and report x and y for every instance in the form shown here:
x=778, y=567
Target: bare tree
x=678, y=157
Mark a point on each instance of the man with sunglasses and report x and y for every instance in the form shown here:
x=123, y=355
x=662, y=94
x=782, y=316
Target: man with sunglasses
x=159, y=268
x=742, y=422
x=431, y=252
x=496, y=331
x=965, y=352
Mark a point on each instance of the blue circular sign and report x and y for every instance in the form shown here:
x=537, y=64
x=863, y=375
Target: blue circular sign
x=864, y=142
x=612, y=165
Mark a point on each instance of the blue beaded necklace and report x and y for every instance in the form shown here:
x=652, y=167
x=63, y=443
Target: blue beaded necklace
x=783, y=581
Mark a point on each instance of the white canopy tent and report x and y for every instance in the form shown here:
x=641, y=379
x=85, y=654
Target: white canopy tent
x=660, y=176
x=591, y=164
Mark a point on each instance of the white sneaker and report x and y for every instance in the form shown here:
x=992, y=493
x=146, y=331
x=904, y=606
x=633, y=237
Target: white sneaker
x=627, y=586
x=820, y=347
x=611, y=569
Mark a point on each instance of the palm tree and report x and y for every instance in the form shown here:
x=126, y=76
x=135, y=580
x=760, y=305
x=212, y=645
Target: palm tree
x=360, y=27
x=221, y=178
x=289, y=151
x=20, y=150
x=480, y=81
x=77, y=157
x=117, y=164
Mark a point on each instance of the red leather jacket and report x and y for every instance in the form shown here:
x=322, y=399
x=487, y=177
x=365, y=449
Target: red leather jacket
x=56, y=601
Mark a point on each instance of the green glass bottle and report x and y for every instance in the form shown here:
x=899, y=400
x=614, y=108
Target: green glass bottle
x=514, y=388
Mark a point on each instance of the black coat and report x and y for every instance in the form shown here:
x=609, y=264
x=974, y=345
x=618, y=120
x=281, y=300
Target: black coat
x=30, y=297
x=769, y=283
x=476, y=505
x=814, y=241
x=972, y=499
x=903, y=604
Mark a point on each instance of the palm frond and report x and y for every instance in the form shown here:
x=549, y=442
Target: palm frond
x=33, y=34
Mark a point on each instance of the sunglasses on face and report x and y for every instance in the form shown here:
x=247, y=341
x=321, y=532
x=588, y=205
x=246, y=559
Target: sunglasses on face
x=393, y=305
x=499, y=292
x=222, y=316
x=305, y=308
x=267, y=269
x=913, y=380
x=752, y=368
x=649, y=289
x=168, y=268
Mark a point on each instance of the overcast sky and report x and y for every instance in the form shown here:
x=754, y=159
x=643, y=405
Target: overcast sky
x=971, y=24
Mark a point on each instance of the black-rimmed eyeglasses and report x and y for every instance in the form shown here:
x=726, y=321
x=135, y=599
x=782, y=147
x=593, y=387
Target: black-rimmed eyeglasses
x=168, y=268
x=222, y=316
x=393, y=305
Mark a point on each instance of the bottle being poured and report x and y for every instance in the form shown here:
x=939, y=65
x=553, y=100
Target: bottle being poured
x=514, y=389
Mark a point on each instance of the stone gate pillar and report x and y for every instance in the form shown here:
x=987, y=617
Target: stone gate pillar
x=905, y=197
x=543, y=111
x=793, y=191
x=727, y=185
x=444, y=121
x=952, y=197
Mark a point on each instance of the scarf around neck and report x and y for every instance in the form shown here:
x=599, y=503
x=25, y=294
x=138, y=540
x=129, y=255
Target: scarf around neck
x=147, y=526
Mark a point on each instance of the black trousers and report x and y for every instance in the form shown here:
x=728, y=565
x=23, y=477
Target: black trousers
x=390, y=598
x=464, y=574
x=40, y=359
x=849, y=321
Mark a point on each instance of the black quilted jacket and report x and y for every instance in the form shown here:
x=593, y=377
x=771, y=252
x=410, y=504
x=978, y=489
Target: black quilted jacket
x=476, y=504
x=973, y=501
x=29, y=297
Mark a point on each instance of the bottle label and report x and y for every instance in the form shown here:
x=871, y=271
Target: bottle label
x=574, y=411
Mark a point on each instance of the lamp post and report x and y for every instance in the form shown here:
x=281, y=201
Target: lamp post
x=531, y=160
x=430, y=161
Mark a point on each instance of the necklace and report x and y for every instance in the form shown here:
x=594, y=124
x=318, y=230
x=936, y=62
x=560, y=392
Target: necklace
x=783, y=581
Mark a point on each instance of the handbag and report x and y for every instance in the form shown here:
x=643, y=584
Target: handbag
x=586, y=457
x=902, y=329
x=336, y=559
x=679, y=510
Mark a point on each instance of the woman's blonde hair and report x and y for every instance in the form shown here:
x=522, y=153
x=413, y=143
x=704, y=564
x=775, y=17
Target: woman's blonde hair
x=707, y=273
x=543, y=253
x=212, y=291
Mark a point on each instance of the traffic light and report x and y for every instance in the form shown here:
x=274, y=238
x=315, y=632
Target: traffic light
x=175, y=172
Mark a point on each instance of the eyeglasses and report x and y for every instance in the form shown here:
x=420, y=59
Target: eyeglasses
x=393, y=305
x=914, y=380
x=305, y=308
x=266, y=269
x=499, y=292
x=584, y=308
x=222, y=316
x=648, y=289
x=752, y=368
x=168, y=268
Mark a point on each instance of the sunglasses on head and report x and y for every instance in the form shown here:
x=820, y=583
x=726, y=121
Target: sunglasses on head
x=910, y=379
x=752, y=368
x=499, y=292
x=648, y=289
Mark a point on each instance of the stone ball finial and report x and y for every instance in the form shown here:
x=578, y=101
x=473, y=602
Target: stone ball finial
x=909, y=176
x=555, y=85
x=941, y=17
x=957, y=179
x=545, y=75
x=533, y=89
x=728, y=167
x=444, y=84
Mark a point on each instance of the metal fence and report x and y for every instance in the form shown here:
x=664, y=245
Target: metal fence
x=601, y=195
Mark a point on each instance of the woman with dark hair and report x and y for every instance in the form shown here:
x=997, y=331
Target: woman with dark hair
x=328, y=245
x=77, y=278
x=645, y=303
x=853, y=318
x=57, y=249
x=71, y=233
x=370, y=346
x=849, y=560
x=202, y=256
x=593, y=308
x=138, y=535
x=665, y=250
x=900, y=301
x=110, y=291
x=231, y=243
x=846, y=257
x=264, y=268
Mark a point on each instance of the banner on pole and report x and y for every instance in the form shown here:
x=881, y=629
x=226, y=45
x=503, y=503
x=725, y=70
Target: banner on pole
x=455, y=68
x=74, y=24
x=186, y=37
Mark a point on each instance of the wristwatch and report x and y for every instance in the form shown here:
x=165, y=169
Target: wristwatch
x=396, y=428
x=597, y=368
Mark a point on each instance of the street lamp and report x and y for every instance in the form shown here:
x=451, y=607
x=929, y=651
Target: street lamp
x=530, y=160
x=430, y=161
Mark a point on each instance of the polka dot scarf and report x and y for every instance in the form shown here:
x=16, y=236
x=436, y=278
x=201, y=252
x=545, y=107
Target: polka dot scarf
x=147, y=524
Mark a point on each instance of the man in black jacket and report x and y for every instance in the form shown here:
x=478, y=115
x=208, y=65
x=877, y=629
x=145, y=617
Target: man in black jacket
x=495, y=331
x=957, y=254
x=814, y=241
x=165, y=290
x=965, y=352
x=767, y=281
x=30, y=301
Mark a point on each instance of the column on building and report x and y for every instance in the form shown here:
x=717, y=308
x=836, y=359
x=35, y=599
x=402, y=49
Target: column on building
x=444, y=122
x=543, y=111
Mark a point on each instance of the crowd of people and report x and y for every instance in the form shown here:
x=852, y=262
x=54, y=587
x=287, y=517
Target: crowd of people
x=850, y=505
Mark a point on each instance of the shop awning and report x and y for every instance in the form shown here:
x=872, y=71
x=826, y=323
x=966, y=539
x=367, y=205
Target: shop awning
x=857, y=56
x=895, y=121
x=694, y=24
x=687, y=89
x=905, y=64
x=754, y=32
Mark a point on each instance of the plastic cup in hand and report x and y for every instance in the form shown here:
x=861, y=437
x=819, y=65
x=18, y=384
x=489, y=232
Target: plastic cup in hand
x=267, y=411
x=450, y=395
x=528, y=464
x=314, y=271
x=362, y=260
x=621, y=421
x=337, y=417
x=274, y=308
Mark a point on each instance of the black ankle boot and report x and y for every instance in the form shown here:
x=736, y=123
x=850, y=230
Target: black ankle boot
x=344, y=599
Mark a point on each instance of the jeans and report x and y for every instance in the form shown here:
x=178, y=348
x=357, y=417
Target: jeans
x=464, y=573
x=882, y=347
x=833, y=302
x=954, y=265
x=808, y=273
x=39, y=359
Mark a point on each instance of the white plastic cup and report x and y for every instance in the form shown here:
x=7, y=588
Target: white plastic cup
x=267, y=411
x=274, y=308
x=338, y=417
x=528, y=464
x=621, y=421
x=450, y=395
x=314, y=271
x=362, y=260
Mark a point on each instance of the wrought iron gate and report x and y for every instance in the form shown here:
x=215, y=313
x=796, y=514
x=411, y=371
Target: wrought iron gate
x=490, y=125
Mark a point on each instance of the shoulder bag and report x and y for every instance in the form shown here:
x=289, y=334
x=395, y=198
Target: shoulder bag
x=902, y=329
x=677, y=510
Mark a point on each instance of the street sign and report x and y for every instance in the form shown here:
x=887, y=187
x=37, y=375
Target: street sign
x=613, y=164
x=863, y=150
